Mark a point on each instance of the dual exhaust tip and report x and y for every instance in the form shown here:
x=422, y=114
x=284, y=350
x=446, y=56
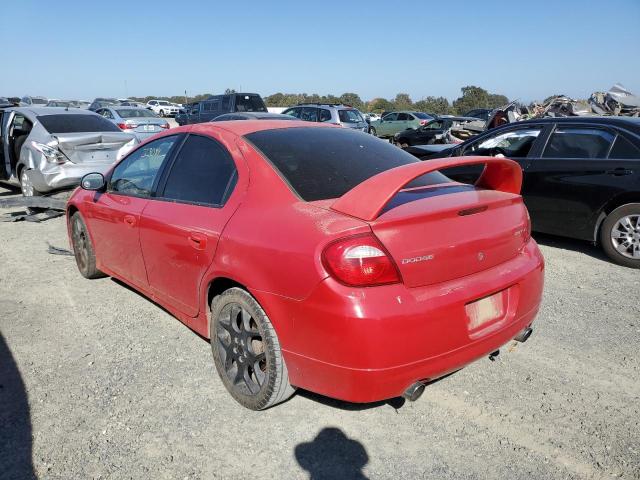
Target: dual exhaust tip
x=415, y=390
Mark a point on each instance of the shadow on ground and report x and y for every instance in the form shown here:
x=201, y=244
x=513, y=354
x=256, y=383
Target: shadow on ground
x=565, y=243
x=15, y=423
x=332, y=455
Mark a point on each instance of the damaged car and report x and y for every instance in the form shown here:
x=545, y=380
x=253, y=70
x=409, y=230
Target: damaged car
x=51, y=148
x=441, y=130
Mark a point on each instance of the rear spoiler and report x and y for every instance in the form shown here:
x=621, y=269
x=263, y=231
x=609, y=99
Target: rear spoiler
x=368, y=199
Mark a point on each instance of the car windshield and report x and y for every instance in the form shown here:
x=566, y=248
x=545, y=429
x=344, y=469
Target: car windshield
x=250, y=103
x=324, y=163
x=136, y=113
x=38, y=101
x=164, y=103
x=76, y=123
x=350, y=116
x=422, y=116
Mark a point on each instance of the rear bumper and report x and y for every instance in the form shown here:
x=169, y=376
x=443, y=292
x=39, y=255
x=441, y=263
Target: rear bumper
x=364, y=345
x=67, y=175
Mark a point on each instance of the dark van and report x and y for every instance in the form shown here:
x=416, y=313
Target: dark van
x=215, y=105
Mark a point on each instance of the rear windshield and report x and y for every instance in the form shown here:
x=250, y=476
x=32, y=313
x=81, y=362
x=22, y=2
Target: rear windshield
x=422, y=116
x=350, y=116
x=39, y=101
x=76, y=123
x=136, y=113
x=324, y=163
x=250, y=103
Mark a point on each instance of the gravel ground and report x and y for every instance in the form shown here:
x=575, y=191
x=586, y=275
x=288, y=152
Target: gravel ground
x=99, y=382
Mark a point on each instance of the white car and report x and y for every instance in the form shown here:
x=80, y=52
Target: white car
x=163, y=108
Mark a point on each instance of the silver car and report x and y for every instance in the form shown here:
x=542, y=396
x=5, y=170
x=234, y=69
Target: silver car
x=337, y=114
x=141, y=122
x=51, y=148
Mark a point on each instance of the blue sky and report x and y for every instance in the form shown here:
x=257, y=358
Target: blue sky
x=525, y=50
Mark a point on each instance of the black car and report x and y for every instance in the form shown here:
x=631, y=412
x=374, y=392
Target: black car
x=216, y=105
x=431, y=132
x=581, y=176
x=479, y=113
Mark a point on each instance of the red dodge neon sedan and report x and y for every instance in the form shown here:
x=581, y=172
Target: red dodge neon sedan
x=314, y=256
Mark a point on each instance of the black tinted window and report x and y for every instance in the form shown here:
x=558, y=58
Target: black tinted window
x=578, y=143
x=624, y=149
x=250, y=103
x=135, y=174
x=76, y=123
x=226, y=103
x=309, y=114
x=323, y=163
x=203, y=172
x=325, y=115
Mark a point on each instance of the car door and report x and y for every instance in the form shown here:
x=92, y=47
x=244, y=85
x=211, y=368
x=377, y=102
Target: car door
x=569, y=182
x=180, y=229
x=386, y=125
x=114, y=216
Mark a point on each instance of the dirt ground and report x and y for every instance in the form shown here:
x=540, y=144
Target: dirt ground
x=98, y=382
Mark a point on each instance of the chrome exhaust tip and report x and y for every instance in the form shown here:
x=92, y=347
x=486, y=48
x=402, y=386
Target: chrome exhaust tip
x=414, y=392
x=524, y=335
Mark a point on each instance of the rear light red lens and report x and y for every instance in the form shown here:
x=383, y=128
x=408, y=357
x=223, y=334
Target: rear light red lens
x=165, y=125
x=126, y=126
x=423, y=122
x=360, y=261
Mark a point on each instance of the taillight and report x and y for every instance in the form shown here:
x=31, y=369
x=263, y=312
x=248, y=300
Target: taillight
x=423, y=122
x=126, y=126
x=360, y=261
x=164, y=125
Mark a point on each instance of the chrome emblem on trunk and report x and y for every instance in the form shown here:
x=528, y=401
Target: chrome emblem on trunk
x=480, y=256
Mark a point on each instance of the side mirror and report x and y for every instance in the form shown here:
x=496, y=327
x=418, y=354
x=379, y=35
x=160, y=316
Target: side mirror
x=93, y=182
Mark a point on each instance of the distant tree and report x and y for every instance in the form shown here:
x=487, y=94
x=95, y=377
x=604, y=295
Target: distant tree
x=402, y=102
x=379, y=105
x=472, y=97
x=352, y=99
x=229, y=91
x=496, y=101
x=437, y=105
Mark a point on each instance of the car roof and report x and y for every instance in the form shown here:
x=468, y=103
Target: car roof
x=36, y=111
x=246, y=127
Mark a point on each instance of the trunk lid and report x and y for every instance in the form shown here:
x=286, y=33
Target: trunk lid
x=100, y=147
x=451, y=231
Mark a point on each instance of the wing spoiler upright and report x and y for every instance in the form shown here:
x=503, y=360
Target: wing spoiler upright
x=368, y=199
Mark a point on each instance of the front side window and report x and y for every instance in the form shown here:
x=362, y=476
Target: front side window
x=294, y=112
x=435, y=125
x=203, y=173
x=309, y=114
x=390, y=117
x=516, y=143
x=137, y=172
x=578, y=142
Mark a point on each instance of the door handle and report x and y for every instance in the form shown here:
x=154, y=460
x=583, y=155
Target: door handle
x=197, y=240
x=130, y=220
x=620, y=171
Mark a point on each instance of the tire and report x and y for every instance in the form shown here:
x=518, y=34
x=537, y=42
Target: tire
x=162, y=113
x=246, y=351
x=620, y=235
x=83, y=249
x=373, y=131
x=26, y=184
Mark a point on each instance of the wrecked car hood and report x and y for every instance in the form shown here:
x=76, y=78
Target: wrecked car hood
x=100, y=147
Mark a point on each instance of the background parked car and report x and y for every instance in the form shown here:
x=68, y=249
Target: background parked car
x=163, y=108
x=102, y=102
x=50, y=148
x=433, y=132
x=335, y=113
x=216, y=105
x=581, y=176
x=28, y=101
x=252, y=116
x=141, y=122
x=61, y=103
x=395, y=122
x=481, y=113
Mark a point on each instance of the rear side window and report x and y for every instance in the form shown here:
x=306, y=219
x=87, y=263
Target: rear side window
x=203, y=173
x=322, y=163
x=325, y=115
x=76, y=123
x=350, y=116
x=576, y=142
x=250, y=103
x=623, y=149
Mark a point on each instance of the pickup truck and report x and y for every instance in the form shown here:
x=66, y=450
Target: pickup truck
x=216, y=105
